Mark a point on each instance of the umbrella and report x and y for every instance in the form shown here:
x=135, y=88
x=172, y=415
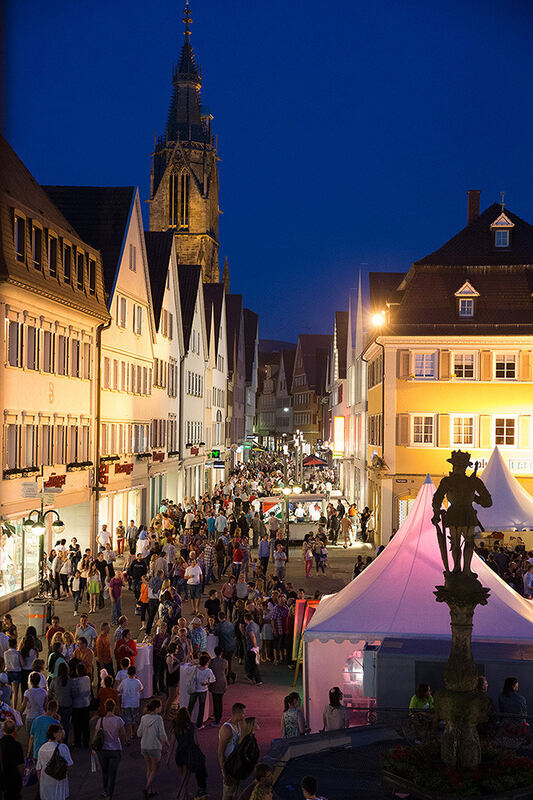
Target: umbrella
x=314, y=461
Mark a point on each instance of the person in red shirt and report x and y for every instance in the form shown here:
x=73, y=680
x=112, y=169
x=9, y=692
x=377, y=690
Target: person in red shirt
x=126, y=648
x=53, y=629
x=238, y=558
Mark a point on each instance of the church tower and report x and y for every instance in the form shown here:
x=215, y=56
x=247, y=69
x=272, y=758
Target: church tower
x=184, y=174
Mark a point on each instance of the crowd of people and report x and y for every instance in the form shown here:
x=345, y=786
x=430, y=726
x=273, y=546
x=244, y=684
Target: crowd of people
x=77, y=686
x=512, y=563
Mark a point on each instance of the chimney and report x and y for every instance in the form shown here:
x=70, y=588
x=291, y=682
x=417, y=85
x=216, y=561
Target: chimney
x=473, y=205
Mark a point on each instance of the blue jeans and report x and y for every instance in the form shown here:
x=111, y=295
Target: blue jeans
x=116, y=611
x=65, y=713
x=109, y=761
x=76, y=596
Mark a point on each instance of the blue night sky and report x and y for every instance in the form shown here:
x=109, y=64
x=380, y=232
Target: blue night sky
x=348, y=132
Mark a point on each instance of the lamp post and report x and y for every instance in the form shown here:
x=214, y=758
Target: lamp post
x=287, y=491
x=37, y=527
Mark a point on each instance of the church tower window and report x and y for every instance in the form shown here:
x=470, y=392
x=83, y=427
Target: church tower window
x=184, y=200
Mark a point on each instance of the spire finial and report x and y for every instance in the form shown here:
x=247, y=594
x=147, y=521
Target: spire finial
x=502, y=201
x=187, y=19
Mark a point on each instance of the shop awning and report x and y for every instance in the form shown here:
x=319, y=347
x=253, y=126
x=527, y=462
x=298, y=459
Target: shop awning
x=314, y=461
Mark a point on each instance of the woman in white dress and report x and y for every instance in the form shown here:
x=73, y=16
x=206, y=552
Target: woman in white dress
x=50, y=788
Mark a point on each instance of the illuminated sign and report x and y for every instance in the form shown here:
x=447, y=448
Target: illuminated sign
x=215, y=453
x=338, y=436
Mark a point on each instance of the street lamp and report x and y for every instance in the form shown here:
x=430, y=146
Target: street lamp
x=37, y=527
x=287, y=491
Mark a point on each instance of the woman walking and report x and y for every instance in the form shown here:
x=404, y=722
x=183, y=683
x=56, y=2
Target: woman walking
x=110, y=753
x=307, y=552
x=151, y=732
x=62, y=690
x=189, y=758
x=28, y=654
x=93, y=588
x=173, y=664
x=53, y=788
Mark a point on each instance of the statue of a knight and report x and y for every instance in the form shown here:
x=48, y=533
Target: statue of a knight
x=460, y=517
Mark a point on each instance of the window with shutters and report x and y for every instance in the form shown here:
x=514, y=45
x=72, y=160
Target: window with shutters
x=83, y=443
x=80, y=270
x=424, y=365
x=464, y=365
x=463, y=430
x=103, y=436
x=47, y=445
x=37, y=246
x=107, y=373
x=137, y=320
x=133, y=258
x=422, y=429
x=121, y=312
x=62, y=355
x=92, y=276
x=61, y=444
x=12, y=446
x=123, y=376
x=52, y=256
x=32, y=347
x=505, y=431
x=20, y=238
x=506, y=366
x=73, y=443
x=139, y=379
x=48, y=351
x=115, y=385
x=30, y=445
x=14, y=343
x=67, y=263
x=86, y=353
x=75, y=358
x=145, y=380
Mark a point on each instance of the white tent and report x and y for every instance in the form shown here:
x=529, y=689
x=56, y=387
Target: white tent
x=394, y=597
x=512, y=505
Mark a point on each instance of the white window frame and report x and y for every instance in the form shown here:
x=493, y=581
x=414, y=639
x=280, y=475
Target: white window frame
x=466, y=306
x=505, y=241
x=506, y=355
x=453, y=418
x=121, y=312
x=506, y=417
x=133, y=258
x=412, y=418
x=425, y=353
x=463, y=353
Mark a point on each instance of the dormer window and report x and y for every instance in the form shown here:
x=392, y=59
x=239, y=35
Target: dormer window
x=466, y=307
x=501, y=238
x=466, y=297
x=501, y=229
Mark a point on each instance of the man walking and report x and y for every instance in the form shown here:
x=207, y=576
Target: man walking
x=264, y=553
x=252, y=642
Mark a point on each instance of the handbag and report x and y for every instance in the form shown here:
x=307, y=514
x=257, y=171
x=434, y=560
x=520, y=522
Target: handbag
x=30, y=773
x=241, y=762
x=191, y=683
x=98, y=738
x=57, y=766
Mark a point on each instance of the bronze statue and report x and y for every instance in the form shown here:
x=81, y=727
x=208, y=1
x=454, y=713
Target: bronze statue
x=459, y=704
x=460, y=518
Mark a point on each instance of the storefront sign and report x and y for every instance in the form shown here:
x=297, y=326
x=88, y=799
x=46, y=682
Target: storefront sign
x=125, y=469
x=401, y=480
x=218, y=465
x=158, y=456
x=55, y=482
x=215, y=453
x=30, y=490
x=195, y=451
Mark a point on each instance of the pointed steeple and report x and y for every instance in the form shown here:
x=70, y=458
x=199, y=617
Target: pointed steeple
x=187, y=63
x=225, y=276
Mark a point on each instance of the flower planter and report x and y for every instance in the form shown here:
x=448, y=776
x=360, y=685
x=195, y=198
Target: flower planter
x=397, y=784
x=11, y=474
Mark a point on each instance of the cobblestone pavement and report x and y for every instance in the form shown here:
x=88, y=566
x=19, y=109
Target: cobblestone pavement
x=265, y=702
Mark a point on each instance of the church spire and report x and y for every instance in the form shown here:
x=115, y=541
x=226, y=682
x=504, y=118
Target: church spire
x=187, y=63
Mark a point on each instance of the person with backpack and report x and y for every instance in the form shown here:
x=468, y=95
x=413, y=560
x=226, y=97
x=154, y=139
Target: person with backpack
x=53, y=762
x=240, y=764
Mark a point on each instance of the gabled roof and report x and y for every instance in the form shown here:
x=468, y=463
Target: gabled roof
x=233, y=326
x=315, y=349
x=213, y=299
x=288, y=366
x=20, y=190
x=189, y=277
x=100, y=214
x=158, y=252
x=473, y=245
x=251, y=330
x=341, y=327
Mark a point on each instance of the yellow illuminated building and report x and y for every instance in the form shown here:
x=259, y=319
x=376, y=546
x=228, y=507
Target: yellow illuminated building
x=454, y=342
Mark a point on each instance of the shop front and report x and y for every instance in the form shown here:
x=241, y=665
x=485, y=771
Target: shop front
x=122, y=506
x=19, y=563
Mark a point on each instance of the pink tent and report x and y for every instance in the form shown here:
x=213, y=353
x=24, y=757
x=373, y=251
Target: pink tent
x=393, y=597
x=512, y=505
